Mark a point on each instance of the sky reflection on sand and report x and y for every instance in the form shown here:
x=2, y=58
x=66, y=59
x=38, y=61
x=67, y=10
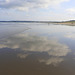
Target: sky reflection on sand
x=27, y=43
x=43, y=49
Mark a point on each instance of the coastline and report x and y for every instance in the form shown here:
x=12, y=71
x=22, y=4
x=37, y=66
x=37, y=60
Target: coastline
x=66, y=23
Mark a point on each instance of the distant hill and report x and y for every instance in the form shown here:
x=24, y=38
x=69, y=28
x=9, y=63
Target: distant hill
x=70, y=22
x=29, y=21
x=33, y=21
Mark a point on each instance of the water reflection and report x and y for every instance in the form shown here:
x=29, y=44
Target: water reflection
x=42, y=50
x=31, y=44
x=22, y=55
x=53, y=60
x=70, y=36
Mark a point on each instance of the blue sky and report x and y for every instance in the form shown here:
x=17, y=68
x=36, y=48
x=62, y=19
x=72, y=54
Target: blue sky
x=43, y=10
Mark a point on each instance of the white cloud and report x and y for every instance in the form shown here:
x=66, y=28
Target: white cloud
x=7, y=1
x=28, y=4
x=71, y=10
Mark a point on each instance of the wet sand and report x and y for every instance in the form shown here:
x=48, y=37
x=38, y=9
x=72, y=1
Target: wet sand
x=41, y=50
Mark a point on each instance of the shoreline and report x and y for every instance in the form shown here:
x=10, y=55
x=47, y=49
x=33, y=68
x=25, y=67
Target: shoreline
x=69, y=24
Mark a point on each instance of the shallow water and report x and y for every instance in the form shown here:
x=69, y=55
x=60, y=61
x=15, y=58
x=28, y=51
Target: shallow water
x=37, y=49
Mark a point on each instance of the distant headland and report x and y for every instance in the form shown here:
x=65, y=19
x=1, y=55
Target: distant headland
x=70, y=22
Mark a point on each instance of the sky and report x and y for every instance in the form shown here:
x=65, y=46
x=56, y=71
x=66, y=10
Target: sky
x=37, y=10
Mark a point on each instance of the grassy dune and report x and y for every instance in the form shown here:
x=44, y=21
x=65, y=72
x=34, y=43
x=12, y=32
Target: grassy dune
x=72, y=23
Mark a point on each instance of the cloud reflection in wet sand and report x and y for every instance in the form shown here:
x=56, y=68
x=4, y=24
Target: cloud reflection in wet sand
x=54, y=60
x=70, y=36
x=26, y=42
x=22, y=55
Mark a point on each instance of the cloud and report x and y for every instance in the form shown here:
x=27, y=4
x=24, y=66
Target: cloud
x=29, y=4
x=71, y=10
